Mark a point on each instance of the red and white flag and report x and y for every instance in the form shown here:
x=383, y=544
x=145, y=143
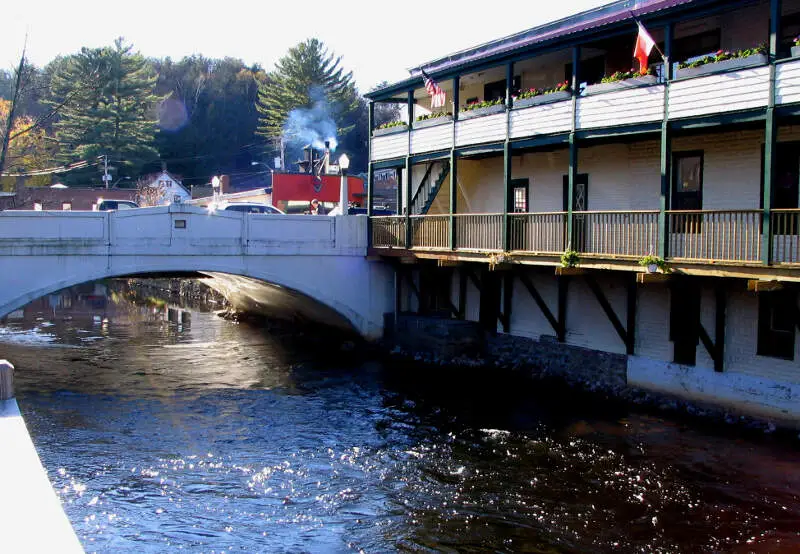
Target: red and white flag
x=436, y=92
x=644, y=45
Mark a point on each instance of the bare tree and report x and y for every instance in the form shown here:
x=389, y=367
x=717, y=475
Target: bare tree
x=149, y=194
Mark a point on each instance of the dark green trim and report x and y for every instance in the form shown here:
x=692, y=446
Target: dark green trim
x=480, y=149
x=456, y=102
x=507, y=157
x=719, y=120
x=572, y=175
x=620, y=131
x=609, y=311
x=509, y=84
x=538, y=142
x=545, y=309
x=453, y=197
x=409, y=180
x=770, y=137
x=430, y=156
x=787, y=110
x=370, y=168
x=399, y=173
x=666, y=148
x=389, y=164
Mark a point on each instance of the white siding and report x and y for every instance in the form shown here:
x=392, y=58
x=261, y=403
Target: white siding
x=624, y=107
x=542, y=120
x=389, y=146
x=487, y=128
x=787, y=84
x=726, y=92
x=430, y=139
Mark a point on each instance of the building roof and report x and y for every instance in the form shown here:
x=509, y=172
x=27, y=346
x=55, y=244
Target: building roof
x=153, y=176
x=556, y=31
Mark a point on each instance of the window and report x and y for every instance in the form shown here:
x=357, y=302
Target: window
x=777, y=318
x=497, y=89
x=66, y=206
x=520, y=198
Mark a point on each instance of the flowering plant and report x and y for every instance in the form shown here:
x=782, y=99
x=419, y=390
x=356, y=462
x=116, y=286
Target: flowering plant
x=484, y=104
x=570, y=258
x=797, y=41
x=652, y=259
x=625, y=75
x=722, y=55
x=390, y=124
x=423, y=117
x=531, y=92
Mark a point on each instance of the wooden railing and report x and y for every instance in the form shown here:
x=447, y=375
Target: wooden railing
x=430, y=231
x=615, y=233
x=786, y=236
x=543, y=232
x=479, y=231
x=725, y=235
x=389, y=231
x=705, y=236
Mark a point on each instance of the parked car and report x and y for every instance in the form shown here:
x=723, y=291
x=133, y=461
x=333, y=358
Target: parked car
x=246, y=207
x=108, y=205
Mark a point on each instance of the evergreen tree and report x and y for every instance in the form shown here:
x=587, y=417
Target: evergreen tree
x=111, y=107
x=308, y=78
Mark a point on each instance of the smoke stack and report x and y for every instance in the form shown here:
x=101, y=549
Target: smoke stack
x=326, y=160
x=225, y=184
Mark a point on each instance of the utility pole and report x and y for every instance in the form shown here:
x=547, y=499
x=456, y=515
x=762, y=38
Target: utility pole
x=106, y=176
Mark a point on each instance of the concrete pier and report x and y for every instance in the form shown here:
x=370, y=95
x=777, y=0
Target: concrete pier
x=31, y=517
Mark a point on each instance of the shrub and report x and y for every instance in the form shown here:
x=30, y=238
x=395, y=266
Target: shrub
x=570, y=258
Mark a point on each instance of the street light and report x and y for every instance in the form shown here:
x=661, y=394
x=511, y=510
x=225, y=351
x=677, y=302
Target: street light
x=215, y=182
x=344, y=165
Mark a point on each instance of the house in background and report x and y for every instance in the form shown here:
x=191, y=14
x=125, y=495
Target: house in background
x=170, y=188
x=60, y=197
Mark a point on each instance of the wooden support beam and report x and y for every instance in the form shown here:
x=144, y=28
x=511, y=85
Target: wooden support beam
x=570, y=271
x=757, y=285
x=563, y=291
x=442, y=262
x=6, y=380
x=556, y=324
x=630, y=343
x=508, y=291
x=650, y=278
x=408, y=260
x=719, y=332
x=609, y=311
x=462, y=294
x=474, y=279
x=413, y=286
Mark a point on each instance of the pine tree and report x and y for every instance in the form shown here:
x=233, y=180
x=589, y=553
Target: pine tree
x=111, y=107
x=310, y=78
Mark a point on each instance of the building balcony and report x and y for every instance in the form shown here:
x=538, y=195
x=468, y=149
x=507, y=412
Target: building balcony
x=743, y=90
x=723, y=237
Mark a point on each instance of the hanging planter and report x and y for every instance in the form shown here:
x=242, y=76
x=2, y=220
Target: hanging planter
x=612, y=84
x=481, y=108
x=433, y=121
x=391, y=130
x=722, y=61
x=543, y=99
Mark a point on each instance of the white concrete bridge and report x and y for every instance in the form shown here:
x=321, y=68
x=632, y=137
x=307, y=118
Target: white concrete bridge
x=311, y=267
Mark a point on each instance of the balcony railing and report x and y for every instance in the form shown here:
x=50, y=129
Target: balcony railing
x=615, y=233
x=479, y=232
x=430, y=231
x=731, y=236
x=785, y=236
x=389, y=231
x=726, y=235
x=543, y=233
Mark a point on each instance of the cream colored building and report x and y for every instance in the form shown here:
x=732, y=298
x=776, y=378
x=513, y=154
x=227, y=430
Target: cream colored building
x=697, y=164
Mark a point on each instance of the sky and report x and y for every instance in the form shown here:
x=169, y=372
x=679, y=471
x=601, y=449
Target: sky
x=377, y=40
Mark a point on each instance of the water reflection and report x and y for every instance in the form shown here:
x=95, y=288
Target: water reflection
x=196, y=433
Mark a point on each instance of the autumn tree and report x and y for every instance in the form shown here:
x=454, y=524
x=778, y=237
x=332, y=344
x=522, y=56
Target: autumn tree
x=112, y=108
x=29, y=148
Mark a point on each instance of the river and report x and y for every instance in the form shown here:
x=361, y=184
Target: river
x=165, y=430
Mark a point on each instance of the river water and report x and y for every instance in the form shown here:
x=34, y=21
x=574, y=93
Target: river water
x=166, y=430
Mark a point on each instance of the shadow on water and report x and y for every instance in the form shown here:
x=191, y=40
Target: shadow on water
x=190, y=431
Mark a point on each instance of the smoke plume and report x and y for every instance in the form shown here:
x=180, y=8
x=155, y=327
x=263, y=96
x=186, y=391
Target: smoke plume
x=313, y=125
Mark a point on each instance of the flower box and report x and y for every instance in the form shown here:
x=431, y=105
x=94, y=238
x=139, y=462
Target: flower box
x=433, y=121
x=795, y=51
x=390, y=130
x=543, y=99
x=724, y=65
x=633, y=82
x=478, y=112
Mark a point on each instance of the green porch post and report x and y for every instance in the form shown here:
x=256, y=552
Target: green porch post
x=507, y=162
x=370, y=178
x=409, y=181
x=454, y=168
x=770, y=135
x=666, y=150
x=572, y=176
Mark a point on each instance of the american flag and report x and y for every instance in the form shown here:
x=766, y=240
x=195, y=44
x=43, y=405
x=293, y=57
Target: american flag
x=436, y=92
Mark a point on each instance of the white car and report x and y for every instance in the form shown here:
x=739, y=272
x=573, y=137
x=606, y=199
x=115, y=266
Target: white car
x=246, y=207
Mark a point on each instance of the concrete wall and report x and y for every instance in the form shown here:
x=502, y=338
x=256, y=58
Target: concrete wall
x=322, y=258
